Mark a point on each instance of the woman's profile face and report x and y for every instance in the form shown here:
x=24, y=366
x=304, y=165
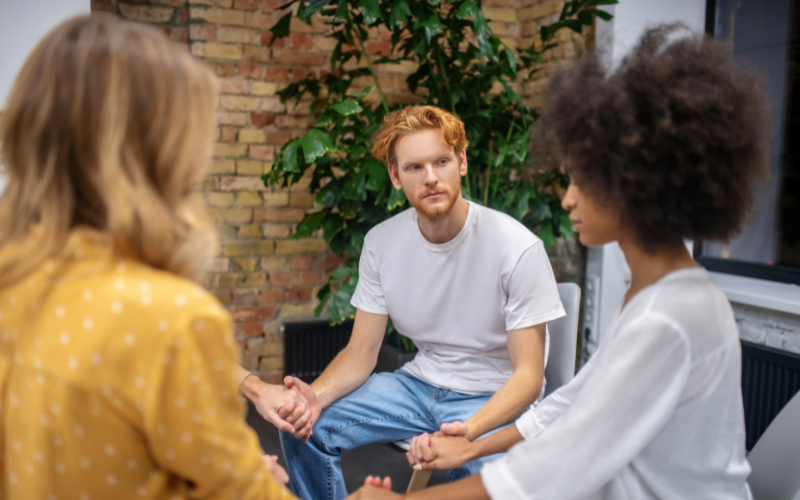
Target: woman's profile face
x=596, y=223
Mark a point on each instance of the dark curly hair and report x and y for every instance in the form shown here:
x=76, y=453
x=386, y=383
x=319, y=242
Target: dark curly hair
x=675, y=140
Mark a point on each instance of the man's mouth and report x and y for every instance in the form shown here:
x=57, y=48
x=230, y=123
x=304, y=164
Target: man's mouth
x=433, y=195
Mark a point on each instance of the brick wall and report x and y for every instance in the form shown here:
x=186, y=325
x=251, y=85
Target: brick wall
x=262, y=276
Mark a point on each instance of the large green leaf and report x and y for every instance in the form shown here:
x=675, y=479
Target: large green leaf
x=312, y=147
x=546, y=235
x=467, y=9
x=396, y=199
x=308, y=225
x=356, y=187
x=345, y=108
x=371, y=11
x=400, y=14
x=289, y=158
x=565, y=226
x=377, y=174
x=314, y=6
x=281, y=28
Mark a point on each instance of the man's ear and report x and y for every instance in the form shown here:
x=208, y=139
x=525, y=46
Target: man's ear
x=395, y=178
x=462, y=162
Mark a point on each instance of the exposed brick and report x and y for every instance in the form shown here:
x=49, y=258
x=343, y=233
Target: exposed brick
x=259, y=152
x=250, y=314
x=146, y=13
x=248, y=362
x=177, y=34
x=502, y=15
x=228, y=134
x=261, y=119
x=233, y=85
x=327, y=262
x=234, y=150
x=245, y=263
x=223, y=296
x=249, y=167
x=250, y=231
x=238, y=183
x=271, y=5
x=317, y=26
x=225, y=69
x=301, y=246
x=301, y=200
x=248, y=70
x=325, y=43
x=301, y=262
x=276, y=231
x=272, y=105
x=240, y=103
x=245, y=4
x=257, y=20
x=221, y=199
x=268, y=364
x=276, y=74
x=238, y=248
x=260, y=54
x=249, y=135
x=263, y=88
x=217, y=51
x=298, y=310
x=252, y=330
x=299, y=74
x=249, y=199
x=217, y=265
x=382, y=48
x=223, y=167
x=273, y=263
x=298, y=294
x=294, y=122
x=203, y=32
x=293, y=278
x=279, y=214
x=266, y=40
x=229, y=118
x=276, y=199
x=272, y=296
x=236, y=216
x=245, y=297
x=278, y=137
x=300, y=41
x=298, y=58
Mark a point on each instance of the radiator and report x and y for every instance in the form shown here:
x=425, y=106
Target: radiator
x=310, y=345
x=770, y=378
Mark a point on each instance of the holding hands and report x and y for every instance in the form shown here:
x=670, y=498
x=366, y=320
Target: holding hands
x=446, y=449
x=292, y=408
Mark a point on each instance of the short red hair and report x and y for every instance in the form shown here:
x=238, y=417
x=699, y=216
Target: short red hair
x=415, y=118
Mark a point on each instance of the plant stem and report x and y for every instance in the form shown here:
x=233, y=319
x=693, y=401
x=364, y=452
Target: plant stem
x=369, y=65
x=443, y=77
x=488, y=173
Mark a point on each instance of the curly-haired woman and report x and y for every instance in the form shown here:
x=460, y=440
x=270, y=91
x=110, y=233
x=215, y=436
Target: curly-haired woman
x=118, y=374
x=668, y=147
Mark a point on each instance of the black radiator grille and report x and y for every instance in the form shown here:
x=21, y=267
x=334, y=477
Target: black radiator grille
x=770, y=378
x=311, y=345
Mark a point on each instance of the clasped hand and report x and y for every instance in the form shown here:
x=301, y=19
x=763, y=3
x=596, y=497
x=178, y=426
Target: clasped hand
x=446, y=449
x=292, y=408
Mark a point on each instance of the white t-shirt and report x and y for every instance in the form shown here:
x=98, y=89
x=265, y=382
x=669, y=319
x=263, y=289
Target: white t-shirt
x=655, y=414
x=458, y=300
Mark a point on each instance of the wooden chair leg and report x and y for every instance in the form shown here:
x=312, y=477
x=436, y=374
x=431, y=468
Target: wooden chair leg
x=419, y=480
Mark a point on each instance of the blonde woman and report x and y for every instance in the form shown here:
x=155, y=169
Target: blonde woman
x=117, y=371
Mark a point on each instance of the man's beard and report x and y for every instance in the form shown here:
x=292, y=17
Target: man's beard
x=434, y=213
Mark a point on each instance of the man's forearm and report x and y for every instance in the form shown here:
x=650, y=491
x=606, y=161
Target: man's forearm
x=516, y=395
x=346, y=373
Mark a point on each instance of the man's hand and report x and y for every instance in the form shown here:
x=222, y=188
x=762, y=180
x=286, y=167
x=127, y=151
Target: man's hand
x=375, y=488
x=439, y=451
x=268, y=399
x=302, y=419
x=280, y=475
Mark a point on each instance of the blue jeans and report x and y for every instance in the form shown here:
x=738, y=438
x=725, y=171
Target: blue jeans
x=388, y=407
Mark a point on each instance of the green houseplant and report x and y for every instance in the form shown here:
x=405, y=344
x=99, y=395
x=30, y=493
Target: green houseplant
x=459, y=62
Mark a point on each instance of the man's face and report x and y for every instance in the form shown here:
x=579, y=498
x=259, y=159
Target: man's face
x=428, y=171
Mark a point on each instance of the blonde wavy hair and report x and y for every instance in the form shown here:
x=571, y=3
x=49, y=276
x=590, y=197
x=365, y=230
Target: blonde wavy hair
x=412, y=119
x=107, y=127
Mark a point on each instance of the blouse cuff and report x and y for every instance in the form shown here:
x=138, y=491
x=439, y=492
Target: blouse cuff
x=499, y=483
x=528, y=425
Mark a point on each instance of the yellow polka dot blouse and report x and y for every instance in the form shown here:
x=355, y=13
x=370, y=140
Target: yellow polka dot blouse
x=119, y=381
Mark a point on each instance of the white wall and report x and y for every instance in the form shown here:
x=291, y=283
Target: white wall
x=22, y=24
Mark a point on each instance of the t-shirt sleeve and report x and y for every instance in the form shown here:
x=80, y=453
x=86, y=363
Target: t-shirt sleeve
x=532, y=292
x=369, y=293
x=194, y=422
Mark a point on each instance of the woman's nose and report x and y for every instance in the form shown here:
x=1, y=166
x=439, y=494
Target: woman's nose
x=568, y=202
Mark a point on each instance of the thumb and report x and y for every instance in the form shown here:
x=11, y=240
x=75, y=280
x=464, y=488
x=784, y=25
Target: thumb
x=282, y=425
x=304, y=389
x=454, y=429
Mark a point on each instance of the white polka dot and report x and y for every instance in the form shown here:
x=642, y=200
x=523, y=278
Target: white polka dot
x=198, y=292
x=224, y=392
x=212, y=412
x=29, y=468
x=13, y=478
x=18, y=359
x=111, y=479
x=219, y=365
x=229, y=421
x=132, y=464
x=29, y=383
x=38, y=343
x=73, y=363
x=162, y=430
x=197, y=357
x=37, y=456
x=205, y=388
x=130, y=338
x=78, y=430
x=37, y=363
x=88, y=323
x=141, y=491
x=205, y=460
x=60, y=312
x=13, y=399
x=49, y=267
x=180, y=300
x=15, y=335
x=169, y=455
x=197, y=416
x=109, y=450
x=44, y=419
x=16, y=445
x=116, y=307
x=83, y=496
x=121, y=267
x=140, y=382
x=146, y=299
x=180, y=402
x=55, y=409
x=84, y=463
x=39, y=378
x=198, y=325
x=78, y=253
x=87, y=295
x=51, y=497
x=61, y=468
x=167, y=359
x=96, y=359
x=64, y=337
x=163, y=325
x=144, y=286
x=186, y=437
x=119, y=284
x=58, y=440
x=105, y=389
x=12, y=300
x=177, y=341
x=96, y=411
x=258, y=476
x=225, y=465
x=194, y=377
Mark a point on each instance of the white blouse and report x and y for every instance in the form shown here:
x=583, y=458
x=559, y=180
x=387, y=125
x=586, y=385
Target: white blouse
x=656, y=413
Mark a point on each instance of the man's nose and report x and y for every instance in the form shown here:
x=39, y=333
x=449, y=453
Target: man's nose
x=430, y=176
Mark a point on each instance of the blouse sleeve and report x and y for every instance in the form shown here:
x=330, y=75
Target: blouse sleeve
x=194, y=420
x=617, y=411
